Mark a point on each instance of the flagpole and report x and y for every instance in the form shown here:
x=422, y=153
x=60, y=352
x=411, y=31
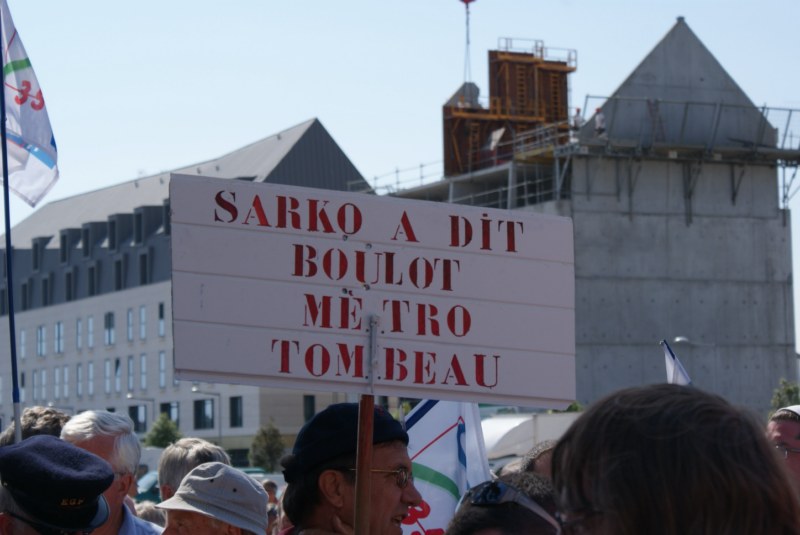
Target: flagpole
x=12, y=330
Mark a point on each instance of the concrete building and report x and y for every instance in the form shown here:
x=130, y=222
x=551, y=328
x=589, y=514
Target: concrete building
x=680, y=222
x=92, y=294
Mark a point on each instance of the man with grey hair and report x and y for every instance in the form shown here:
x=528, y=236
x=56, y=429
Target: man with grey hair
x=216, y=498
x=179, y=458
x=110, y=436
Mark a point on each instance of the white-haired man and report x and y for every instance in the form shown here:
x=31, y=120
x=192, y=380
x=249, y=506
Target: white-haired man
x=110, y=436
x=179, y=458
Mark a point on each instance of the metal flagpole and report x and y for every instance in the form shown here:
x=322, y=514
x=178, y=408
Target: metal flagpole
x=12, y=338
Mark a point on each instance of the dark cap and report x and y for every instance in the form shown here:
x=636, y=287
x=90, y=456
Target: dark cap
x=334, y=432
x=57, y=484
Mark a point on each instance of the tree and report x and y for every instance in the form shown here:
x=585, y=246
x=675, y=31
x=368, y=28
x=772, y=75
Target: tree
x=788, y=393
x=267, y=448
x=163, y=433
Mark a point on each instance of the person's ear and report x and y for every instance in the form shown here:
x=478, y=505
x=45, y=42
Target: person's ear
x=333, y=486
x=166, y=492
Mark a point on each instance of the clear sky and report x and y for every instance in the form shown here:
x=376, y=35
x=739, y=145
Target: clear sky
x=136, y=88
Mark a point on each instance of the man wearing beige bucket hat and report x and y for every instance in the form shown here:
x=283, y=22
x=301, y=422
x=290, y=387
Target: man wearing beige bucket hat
x=215, y=498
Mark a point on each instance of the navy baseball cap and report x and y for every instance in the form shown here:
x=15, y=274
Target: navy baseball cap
x=334, y=432
x=58, y=485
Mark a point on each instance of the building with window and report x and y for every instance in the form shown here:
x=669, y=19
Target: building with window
x=91, y=277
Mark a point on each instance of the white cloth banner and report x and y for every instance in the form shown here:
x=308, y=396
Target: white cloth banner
x=32, y=155
x=448, y=455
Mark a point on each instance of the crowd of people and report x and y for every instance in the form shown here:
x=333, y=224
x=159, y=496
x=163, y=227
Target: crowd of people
x=661, y=459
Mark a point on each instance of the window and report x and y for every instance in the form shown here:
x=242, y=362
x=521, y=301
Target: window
x=117, y=375
x=108, y=326
x=138, y=227
x=57, y=383
x=58, y=345
x=45, y=291
x=90, y=332
x=91, y=280
x=22, y=387
x=35, y=384
x=236, y=411
x=43, y=384
x=162, y=370
x=26, y=301
x=86, y=242
x=138, y=414
x=161, y=326
x=107, y=376
x=37, y=255
x=119, y=274
x=3, y=301
x=171, y=410
x=63, y=244
x=143, y=371
x=142, y=322
x=204, y=414
x=79, y=380
x=78, y=334
x=309, y=407
x=66, y=381
x=130, y=325
x=22, y=345
x=131, y=375
x=69, y=285
x=90, y=378
x=112, y=235
x=144, y=269
x=41, y=341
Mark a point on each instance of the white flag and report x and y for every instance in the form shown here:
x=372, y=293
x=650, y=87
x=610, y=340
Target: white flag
x=32, y=156
x=675, y=372
x=448, y=455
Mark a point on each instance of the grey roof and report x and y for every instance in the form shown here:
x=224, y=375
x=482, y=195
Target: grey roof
x=680, y=94
x=304, y=155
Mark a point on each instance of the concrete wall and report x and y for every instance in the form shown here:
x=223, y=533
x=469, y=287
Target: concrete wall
x=653, y=264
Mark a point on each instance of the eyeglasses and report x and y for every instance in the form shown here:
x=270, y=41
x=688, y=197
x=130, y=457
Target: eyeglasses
x=573, y=523
x=497, y=492
x=786, y=449
x=43, y=529
x=402, y=475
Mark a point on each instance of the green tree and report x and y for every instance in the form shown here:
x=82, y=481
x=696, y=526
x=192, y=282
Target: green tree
x=788, y=393
x=267, y=448
x=163, y=433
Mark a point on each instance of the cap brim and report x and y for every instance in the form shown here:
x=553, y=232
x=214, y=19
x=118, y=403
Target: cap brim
x=97, y=520
x=177, y=503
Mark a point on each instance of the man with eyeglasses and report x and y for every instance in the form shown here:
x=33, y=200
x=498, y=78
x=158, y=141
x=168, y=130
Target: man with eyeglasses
x=320, y=472
x=783, y=430
x=50, y=487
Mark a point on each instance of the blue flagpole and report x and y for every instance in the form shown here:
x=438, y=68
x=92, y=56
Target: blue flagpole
x=12, y=330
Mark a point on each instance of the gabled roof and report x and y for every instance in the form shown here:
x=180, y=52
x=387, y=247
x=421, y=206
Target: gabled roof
x=681, y=68
x=303, y=155
x=681, y=95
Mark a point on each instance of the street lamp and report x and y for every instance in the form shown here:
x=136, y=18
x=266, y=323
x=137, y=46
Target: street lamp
x=686, y=340
x=151, y=400
x=197, y=390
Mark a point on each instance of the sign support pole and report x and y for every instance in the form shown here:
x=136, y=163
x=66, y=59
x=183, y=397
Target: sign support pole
x=366, y=425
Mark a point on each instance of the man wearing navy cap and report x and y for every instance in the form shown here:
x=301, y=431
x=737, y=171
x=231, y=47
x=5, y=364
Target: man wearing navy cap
x=320, y=472
x=51, y=486
x=783, y=430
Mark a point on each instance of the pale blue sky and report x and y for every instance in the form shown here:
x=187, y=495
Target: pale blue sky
x=135, y=88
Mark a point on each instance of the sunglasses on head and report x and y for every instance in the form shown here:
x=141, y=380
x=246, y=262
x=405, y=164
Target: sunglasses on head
x=495, y=492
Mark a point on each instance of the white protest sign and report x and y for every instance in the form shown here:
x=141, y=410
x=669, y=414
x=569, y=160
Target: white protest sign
x=277, y=286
